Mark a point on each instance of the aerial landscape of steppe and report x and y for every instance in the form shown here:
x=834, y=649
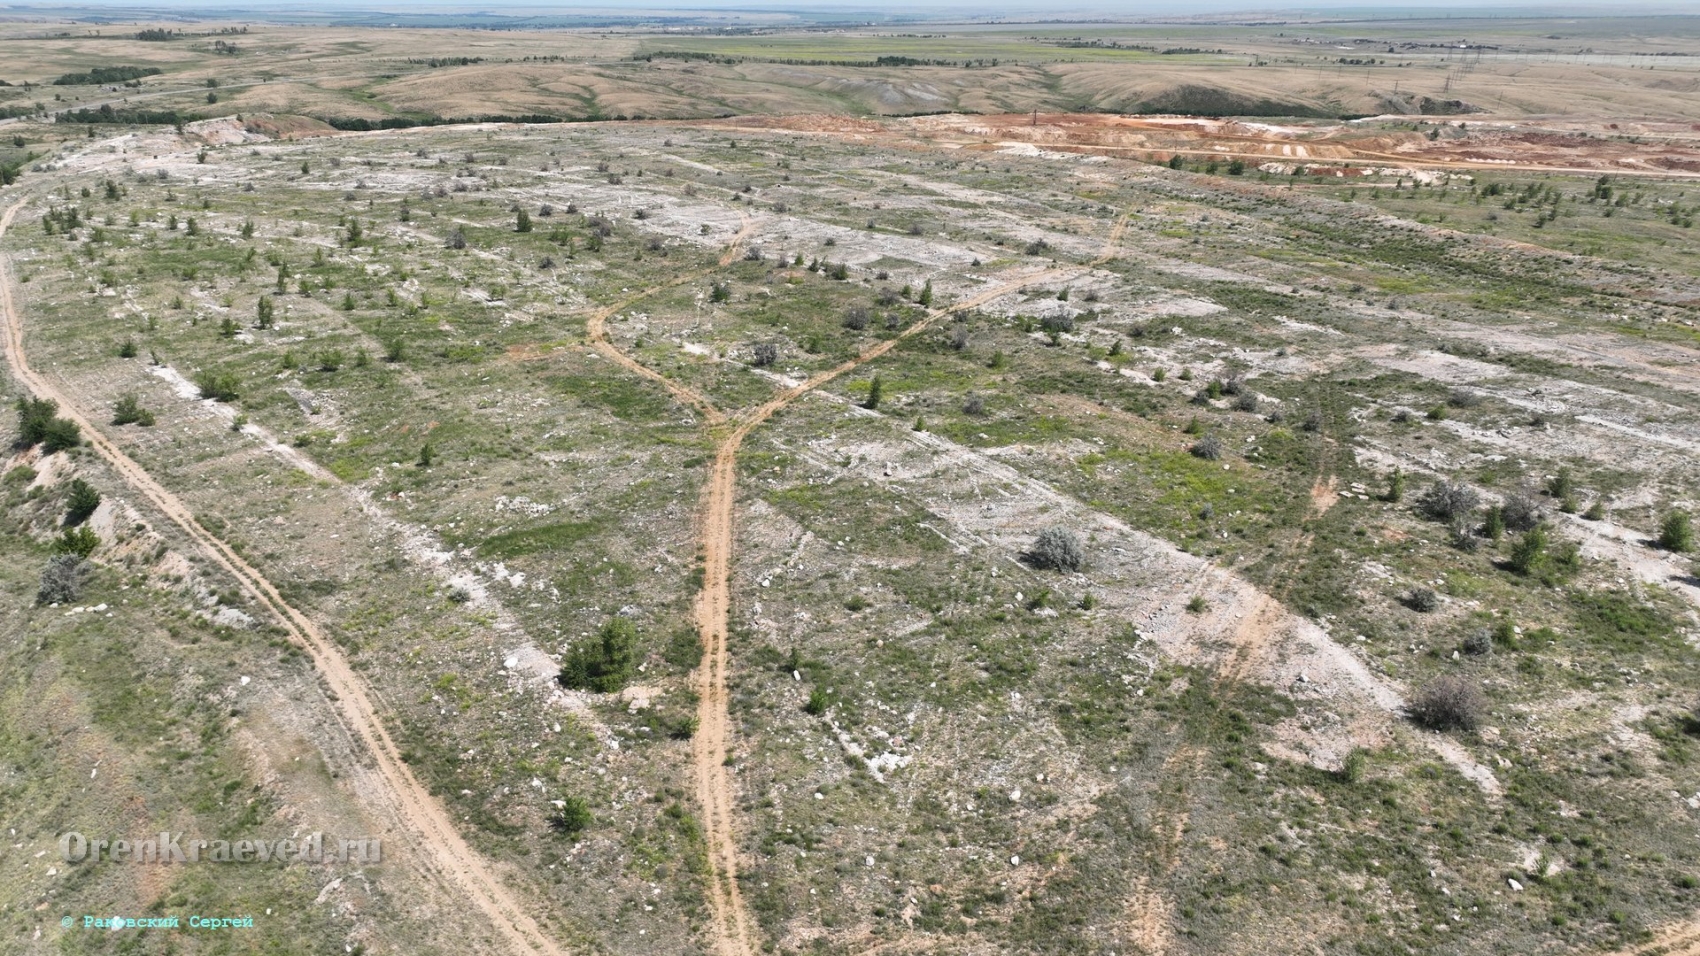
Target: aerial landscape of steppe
x=753, y=482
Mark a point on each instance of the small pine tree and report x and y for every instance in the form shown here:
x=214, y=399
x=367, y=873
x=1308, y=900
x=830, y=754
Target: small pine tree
x=522, y=222
x=816, y=704
x=604, y=665
x=1396, y=485
x=572, y=817
x=1676, y=532
x=926, y=297
x=127, y=410
x=427, y=455
x=1527, y=552
x=265, y=311
x=79, y=541
x=59, y=435
x=81, y=502
x=875, y=388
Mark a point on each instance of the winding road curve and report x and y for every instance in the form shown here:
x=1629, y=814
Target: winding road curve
x=388, y=785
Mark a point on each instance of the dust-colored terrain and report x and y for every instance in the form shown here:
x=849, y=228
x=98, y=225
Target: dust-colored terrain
x=640, y=522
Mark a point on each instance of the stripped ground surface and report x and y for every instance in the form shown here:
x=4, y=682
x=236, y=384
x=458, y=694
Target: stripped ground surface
x=1680, y=940
x=732, y=924
x=386, y=783
x=1491, y=145
x=1258, y=625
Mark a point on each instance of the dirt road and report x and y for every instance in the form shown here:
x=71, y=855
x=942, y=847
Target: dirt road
x=388, y=784
x=734, y=935
x=596, y=330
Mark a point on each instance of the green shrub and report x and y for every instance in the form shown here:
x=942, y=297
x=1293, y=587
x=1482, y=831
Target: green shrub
x=816, y=704
x=1494, y=527
x=127, y=411
x=605, y=664
x=38, y=424
x=572, y=817
x=1353, y=767
x=1395, y=486
x=79, y=541
x=1527, y=553
x=81, y=502
x=60, y=434
x=218, y=386
x=684, y=650
x=1676, y=532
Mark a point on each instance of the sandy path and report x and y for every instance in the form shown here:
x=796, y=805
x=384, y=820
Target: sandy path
x=596, y=330
x=388, y=784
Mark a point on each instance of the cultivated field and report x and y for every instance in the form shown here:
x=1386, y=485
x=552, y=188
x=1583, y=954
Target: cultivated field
x=825, y=533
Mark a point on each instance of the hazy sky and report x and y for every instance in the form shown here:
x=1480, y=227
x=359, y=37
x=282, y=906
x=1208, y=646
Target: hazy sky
x=1023, y=8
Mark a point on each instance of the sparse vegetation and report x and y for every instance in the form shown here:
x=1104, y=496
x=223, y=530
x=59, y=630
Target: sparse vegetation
x=517, y=489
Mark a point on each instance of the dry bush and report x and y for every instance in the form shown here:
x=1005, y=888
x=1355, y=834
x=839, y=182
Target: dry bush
x=61, y=580
x=1449, y=703
x=1448, y=500
x=1520, y=513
